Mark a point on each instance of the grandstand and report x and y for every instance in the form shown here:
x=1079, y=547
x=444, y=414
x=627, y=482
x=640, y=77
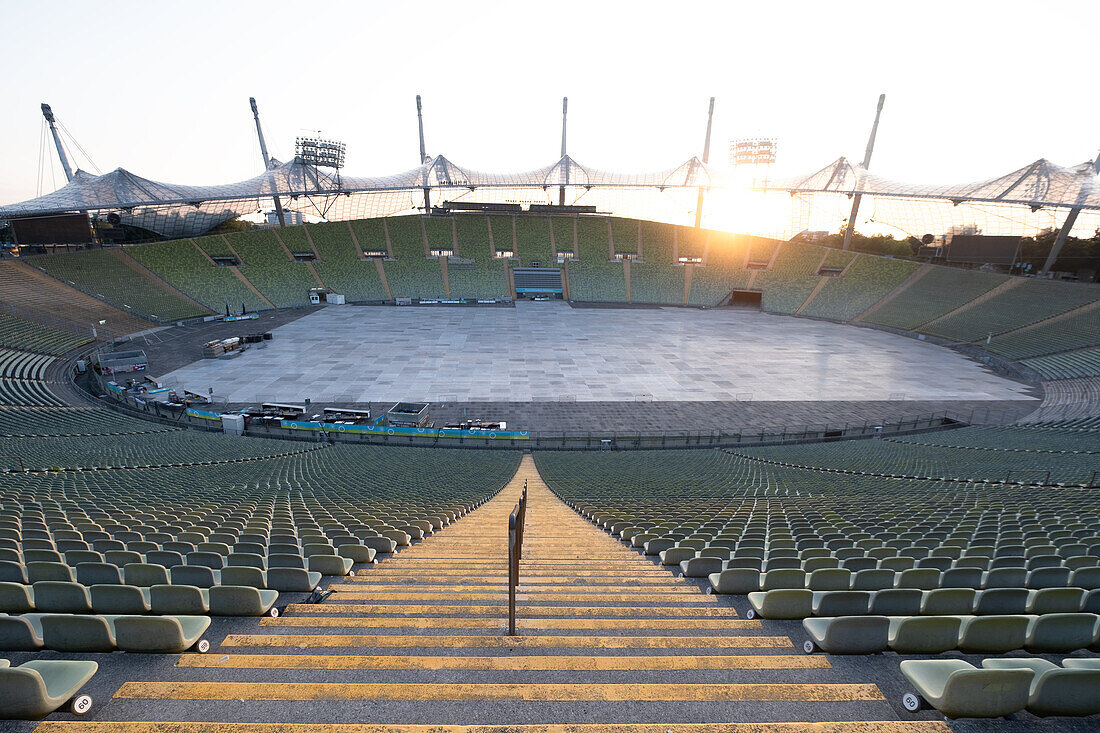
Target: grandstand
x=118, y=533
x=341, y=265
x=114, y=278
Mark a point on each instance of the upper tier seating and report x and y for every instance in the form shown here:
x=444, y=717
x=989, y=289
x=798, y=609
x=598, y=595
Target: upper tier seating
x=182, y=264
x=341, y=266
x=864, y=283
x=411, y=274
x=108, y=276
x=595, y=277
x=938, y=291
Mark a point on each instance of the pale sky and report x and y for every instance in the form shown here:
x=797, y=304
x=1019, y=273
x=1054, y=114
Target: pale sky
x=974, y=89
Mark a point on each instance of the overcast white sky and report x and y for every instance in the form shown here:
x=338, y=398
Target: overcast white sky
x=973, y=88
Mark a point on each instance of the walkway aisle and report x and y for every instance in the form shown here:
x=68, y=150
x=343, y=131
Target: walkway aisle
x=417, y=641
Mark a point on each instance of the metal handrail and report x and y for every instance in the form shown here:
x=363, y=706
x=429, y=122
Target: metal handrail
x=515, y=552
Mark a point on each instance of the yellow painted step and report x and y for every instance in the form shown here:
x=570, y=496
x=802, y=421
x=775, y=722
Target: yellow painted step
x=497, y=609
x=578, y=663
x=522, y=623
x=306, y=641
x=862, y=726
x=545, y=692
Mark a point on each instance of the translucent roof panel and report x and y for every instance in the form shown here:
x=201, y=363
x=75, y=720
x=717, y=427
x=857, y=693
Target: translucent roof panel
x=121, y=190
x=1038, y=185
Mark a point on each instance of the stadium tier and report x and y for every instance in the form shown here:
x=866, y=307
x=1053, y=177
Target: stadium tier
x=1027, y=302
x=722, y=268
x=657, y=277
x=532, y=238
x=792, y=277
x=109, y=276
x=474, y=272
x=184, y=266
x=594, y=276
x=938, y=291
x=341, y=266
x=31, y=294
x=865, y=282
x=1072, y=331
x=412, y=273
x=270, y=267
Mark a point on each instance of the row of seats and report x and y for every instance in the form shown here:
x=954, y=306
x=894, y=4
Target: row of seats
x=1003, y=687
x=748, y=580
x=31, y=632
x=196, y=570
x=1050, y=634
x=60, y=597
x=798, y=603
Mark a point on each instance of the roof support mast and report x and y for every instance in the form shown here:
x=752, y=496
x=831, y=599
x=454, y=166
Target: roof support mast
x=706, y=158
x=564, y=112
x=850, y=229
x=1067, y=226
x=266, y=158
x=423, y=154
x=47, y=112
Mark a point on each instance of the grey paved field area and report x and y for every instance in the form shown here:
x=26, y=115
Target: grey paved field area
x=550, y=352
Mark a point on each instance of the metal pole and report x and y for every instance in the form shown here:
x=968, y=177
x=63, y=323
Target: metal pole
x=47, y=112
x=423, y=153
x=266, y=158
x=1067, y=225
x=850, y=229
x=706, y=159
x=564, y=112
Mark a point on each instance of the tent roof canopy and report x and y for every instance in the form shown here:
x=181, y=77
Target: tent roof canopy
x=122, y=190
x=1040, y=184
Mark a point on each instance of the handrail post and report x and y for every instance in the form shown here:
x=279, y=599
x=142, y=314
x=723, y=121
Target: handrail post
x=515, y=552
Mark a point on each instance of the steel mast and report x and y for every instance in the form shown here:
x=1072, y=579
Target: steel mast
x=564, y=113
x=423, y=154
x=706, y=159
x=266, y=158
x=850, y=229
x=47, y=112
x=1067, y=225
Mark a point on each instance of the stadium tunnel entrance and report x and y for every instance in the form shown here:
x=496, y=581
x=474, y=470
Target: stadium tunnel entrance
x=538, y=283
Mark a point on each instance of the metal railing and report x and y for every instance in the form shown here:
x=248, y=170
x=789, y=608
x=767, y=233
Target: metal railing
x=515, y=552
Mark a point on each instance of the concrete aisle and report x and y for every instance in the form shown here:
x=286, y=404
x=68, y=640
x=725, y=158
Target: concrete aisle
x=607, y=641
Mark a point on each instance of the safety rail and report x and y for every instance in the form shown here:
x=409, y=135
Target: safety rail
x=515, y=552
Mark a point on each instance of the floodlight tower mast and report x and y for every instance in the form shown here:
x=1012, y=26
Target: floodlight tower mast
x=564, y=113
x=850, y=229
x=47, y=112
x=423, y=154
x=266, y=158
x=1067, y=225
x=706, y=158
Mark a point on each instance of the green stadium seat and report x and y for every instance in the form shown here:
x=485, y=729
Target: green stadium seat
x=924, y=634
x=162, y=634
x=781, y=603
x=37, y=688
x=846, y=634
x=1069, y=691
x=959, y=690
x=119, y=599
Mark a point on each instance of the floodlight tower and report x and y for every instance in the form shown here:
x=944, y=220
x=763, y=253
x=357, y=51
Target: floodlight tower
x=423, y=154
x=266, y=158
x=47, y=112
x=1067, y=225
x=564, y=113
x=706, y=158
x=848, y=230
